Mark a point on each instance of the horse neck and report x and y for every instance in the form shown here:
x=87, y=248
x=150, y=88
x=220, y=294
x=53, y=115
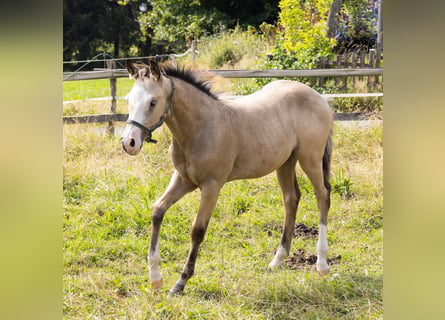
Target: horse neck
x=191, y=108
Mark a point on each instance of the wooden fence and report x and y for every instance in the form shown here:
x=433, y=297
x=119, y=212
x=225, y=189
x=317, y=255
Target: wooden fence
x=356, y=59
x=289, y=73
x=358, y=66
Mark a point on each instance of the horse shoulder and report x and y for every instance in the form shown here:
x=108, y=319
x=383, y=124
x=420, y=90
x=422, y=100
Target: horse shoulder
x=210, y=156
x=178, y=159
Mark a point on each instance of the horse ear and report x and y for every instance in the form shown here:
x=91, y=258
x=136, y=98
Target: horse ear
x=155, y=70
x=131, y=68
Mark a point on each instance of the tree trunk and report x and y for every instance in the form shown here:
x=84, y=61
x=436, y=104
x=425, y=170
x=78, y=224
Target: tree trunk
x=116, y=46
x=380, y=24
x=332, y=22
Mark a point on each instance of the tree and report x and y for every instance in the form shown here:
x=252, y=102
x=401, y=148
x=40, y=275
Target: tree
x=332, y=22
x=79, y=38
x=305, y=31
x=380, y=23
x=93, y=26
x=116, y=26
x=357, y=29
x=245, y=12
x=174, y=20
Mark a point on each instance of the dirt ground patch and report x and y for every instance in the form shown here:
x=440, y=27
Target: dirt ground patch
x=300, y=230
x=300, y=259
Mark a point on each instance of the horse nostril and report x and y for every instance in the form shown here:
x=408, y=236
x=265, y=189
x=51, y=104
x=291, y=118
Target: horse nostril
x=132, y=143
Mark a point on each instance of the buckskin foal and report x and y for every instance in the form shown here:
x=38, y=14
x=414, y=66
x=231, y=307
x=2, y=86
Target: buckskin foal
x=215, y=141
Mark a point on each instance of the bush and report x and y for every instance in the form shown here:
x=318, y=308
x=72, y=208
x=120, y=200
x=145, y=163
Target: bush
x=223, y=53
x=230, y=47
x=304, y=37
x=300, y=42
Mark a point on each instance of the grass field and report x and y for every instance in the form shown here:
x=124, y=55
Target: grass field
x=107, y=201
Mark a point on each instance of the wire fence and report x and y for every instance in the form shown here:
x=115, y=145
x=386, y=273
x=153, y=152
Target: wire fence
x=74, y=93
x=106, y=58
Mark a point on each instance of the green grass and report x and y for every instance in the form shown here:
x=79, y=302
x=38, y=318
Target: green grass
x=80, y=90
x=88, y=89
x=107, y=201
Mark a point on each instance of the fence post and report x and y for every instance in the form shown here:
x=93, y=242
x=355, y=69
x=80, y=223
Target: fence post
x=354, y=59
x=338, y=66
x=378, y=60
x=323, y=64
x=173, y=58
x=113, y=84
x=346, y=65
x=362, y=62
x=193, y=50
x=371, y=65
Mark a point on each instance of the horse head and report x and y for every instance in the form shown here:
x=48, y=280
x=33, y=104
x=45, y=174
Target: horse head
x=149, y=103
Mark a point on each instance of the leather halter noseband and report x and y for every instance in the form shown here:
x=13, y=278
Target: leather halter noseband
x=148, y=131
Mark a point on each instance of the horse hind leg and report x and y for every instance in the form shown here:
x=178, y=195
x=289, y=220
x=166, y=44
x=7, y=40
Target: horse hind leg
x=291, y=196
x=318, y=173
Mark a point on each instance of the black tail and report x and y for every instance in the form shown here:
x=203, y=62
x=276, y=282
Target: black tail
x=327, y=162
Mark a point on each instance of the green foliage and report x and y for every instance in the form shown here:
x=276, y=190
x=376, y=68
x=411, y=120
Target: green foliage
x=224, y=53
x=304, y=24
x=94, y=26
x=177, y=19
x=301, y=42
x=304, y=39
x=357, y=25
x=187, y=19
x=229, y=47
x=138, y=27
x=342, y=185
x=244, y=12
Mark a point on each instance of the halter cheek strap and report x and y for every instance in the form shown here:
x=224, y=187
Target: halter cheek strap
x=148, y=131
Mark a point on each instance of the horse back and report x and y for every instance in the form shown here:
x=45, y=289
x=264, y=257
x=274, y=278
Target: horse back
x=282, y=118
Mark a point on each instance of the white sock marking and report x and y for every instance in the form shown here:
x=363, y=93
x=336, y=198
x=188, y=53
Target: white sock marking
x=279, y=258
x=322, y=248
x=153, y=266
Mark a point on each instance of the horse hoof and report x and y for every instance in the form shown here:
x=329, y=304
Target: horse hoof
x=273, y=265
x=173, y=292
x=156, y=285
x=324, y=272
x=176, y=290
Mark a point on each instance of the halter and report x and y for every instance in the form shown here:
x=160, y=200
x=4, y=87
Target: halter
x=148, y=131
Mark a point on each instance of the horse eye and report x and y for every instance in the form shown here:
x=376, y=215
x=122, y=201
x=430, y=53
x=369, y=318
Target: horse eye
x=152, y=103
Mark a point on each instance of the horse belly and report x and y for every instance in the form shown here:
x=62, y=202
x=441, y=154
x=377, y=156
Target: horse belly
x=259, y=160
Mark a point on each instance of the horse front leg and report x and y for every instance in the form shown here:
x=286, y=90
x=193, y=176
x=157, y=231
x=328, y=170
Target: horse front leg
x=209, y=196
x=177, y=188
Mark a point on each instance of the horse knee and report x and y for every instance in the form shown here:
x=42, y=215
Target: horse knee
x=157, y=214
x=198, y=234
x=322, y=194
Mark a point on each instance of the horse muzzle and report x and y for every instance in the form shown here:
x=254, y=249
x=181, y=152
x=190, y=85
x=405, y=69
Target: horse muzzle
x=131, y=144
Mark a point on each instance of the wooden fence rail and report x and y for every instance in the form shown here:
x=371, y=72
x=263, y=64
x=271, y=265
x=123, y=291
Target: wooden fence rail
x=338, y=73
x=122, y=117
x=345, y=72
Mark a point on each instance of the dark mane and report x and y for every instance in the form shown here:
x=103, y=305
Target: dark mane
x=190, y=76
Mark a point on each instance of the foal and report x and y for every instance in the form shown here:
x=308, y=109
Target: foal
x=215, y=141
